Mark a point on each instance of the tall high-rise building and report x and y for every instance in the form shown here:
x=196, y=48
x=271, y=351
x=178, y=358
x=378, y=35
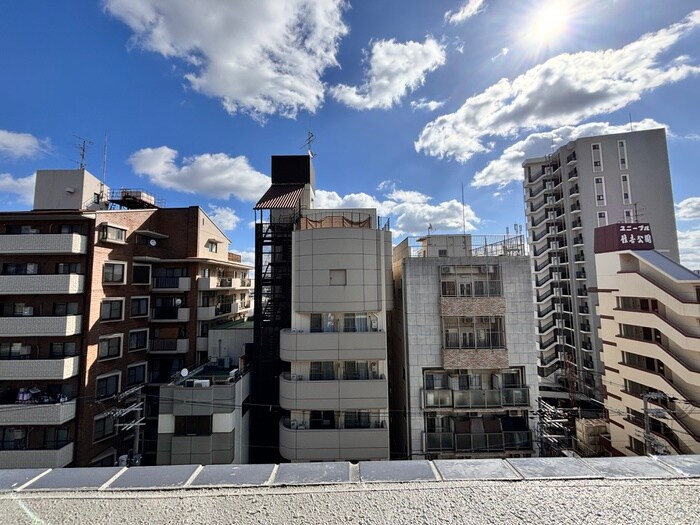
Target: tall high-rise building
x=589, y=182
x=649, y=307
x=323, y=290
x=105, y=295
x=463, y=351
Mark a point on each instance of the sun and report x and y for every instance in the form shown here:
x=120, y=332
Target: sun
x=549, y=21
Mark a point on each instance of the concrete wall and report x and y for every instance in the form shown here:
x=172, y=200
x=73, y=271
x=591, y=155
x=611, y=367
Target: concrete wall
x=361, y=253
x=64, y=189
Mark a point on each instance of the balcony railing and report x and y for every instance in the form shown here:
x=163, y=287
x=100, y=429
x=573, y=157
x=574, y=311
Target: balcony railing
x=478, y=442
x=39, y=369
x=170, y=313
x=181, y=284
x=180, y=346
x=43, y=243
x=474, y=399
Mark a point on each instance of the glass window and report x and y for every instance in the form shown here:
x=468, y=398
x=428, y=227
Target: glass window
x=141, y=274
x=109, y=347
x=139, y=306
x=107, y=386
x=103, y=427
x=65, y=308
x=212, y=246
x=111, y=233
x=111, y=310
x=138, y=340
x=136, y=374
x=113, y=273
x=357, y=419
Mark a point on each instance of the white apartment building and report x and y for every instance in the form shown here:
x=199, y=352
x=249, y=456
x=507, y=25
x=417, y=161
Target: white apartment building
x=464, y=350
x=336, y=388
x=649, y=307
x=589, y=182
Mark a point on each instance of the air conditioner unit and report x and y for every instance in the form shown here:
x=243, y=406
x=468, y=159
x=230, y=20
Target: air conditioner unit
x=202, y=383
x=514, y=413
x=293, y=424
x=294, y=377
x=484, y=269
x=28, y=311
x=448, y=269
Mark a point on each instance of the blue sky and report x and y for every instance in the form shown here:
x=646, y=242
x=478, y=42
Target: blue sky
x=408, y=100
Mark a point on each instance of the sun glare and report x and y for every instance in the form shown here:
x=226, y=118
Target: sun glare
x=549, y=20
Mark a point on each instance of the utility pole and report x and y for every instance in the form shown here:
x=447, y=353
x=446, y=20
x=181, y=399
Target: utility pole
x=134, y=457
x=651, y=444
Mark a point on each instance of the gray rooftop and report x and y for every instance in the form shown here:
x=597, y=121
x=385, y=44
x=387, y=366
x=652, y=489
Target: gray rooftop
x=662, y=489
x=668, y=266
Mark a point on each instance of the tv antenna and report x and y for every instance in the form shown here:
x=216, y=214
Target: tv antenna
x=310, y=137
x=83, y=150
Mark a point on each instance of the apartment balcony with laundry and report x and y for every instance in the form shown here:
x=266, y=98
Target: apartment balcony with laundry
x=215, y=283
x=35, y=406
x=34, y=242
x=334, y=436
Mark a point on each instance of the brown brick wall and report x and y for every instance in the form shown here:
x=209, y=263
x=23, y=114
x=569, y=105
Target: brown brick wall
x=470, y=306
x=452, y=359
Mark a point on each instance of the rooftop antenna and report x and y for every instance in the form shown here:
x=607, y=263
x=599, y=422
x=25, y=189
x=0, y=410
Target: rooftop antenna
x=83, y=150
x=464, y=220
x=104, y=162
x=307, y=143
x=631, y=122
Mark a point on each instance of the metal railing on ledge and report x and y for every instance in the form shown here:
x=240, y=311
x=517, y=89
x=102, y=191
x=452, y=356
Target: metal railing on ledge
x=478, y=442
x=475, y=245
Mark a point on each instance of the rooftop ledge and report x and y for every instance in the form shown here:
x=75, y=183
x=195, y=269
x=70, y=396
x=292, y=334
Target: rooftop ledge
x=532, y=490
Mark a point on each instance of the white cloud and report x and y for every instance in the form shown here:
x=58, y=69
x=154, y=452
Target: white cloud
x=503, y=53
x=16, y=145
x=212, y=174
x=564, y=90
x=261, y=57
x=410, y=212
x=468, y=9
x=395, y=69
x=22, y=187
x=507, y=168
x=428, y=105
x=689, y=245
x=688, y=209
x=224, y=217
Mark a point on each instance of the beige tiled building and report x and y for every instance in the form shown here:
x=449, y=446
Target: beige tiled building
x=463, y=348
x=649, y=306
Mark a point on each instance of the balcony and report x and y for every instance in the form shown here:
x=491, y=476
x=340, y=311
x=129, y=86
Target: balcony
x=171, y=284
x=41, y=284
x=476, y=399
x=338, y=444
x=44, y=458
x=18, y=414
x=40, y=243
x=170, y=313
x=39, y=369
x=242, y=283
x=340, y=394
x=477, y=442
x=169, y=346
x=331, y=346
x=42, y=326
x=207, y=313
x=571, y=159
x=215, y=283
